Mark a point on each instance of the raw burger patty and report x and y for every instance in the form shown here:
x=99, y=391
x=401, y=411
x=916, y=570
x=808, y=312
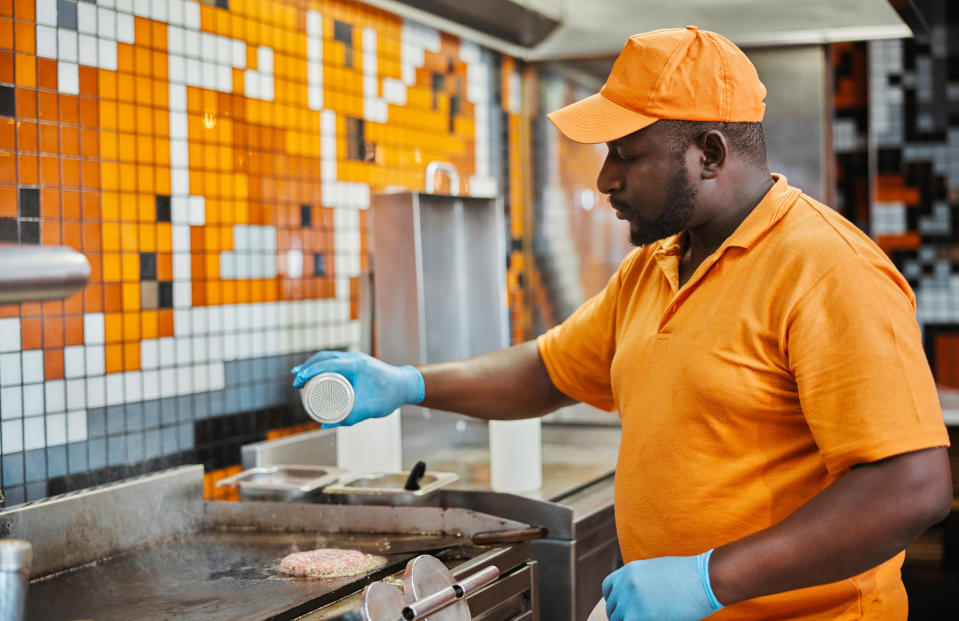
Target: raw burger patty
x=329, y=563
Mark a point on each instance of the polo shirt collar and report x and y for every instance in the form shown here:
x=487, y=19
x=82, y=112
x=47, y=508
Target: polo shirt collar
x=764, y=215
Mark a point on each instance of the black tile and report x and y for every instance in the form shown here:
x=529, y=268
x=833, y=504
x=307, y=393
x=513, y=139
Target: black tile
x=355, y=139
x=163, y=208
x=148, y=266
x=8, y=100
x=223, y=4
x=343, y=32
x=67, y=14
x=306, y=215
x=9, y=232
x=165, y=296
x=29, y=204
x=29, y=232
x=319, y=264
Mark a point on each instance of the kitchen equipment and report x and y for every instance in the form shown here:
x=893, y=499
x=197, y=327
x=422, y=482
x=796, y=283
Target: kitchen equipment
x=509, y=535
x=327, y=397
x=388, y=488
x=382, y=602
x=599, y=612
x=151, y=547
x=427, y=580
x=16, y=556
x=281, y=483
x=416, y=473
x=29, y=272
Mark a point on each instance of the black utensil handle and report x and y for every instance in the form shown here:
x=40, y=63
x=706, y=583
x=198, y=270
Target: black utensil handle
x=413, y=481
x=510, y=535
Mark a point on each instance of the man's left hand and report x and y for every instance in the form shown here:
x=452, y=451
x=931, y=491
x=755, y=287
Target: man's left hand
x=671, y=588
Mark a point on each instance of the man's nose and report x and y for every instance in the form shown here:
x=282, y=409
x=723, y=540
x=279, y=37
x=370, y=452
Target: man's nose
x=609, y=179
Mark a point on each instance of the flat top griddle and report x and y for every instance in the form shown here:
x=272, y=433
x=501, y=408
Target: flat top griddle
x=211, y=574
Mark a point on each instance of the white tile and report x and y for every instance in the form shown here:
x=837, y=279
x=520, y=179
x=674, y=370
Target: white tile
x=86, y=18
x=32, y=366
x=106, y=24
x=251, y=83
x=11, y=402
x=181, y=237
x=193, y=41
x=93, y=329
x=176, y=41
x=200, y=353
x=132, y=386
x=151, y=385
x=149, y=354
x=181, y=269
x=224, y=51
x=125, y=28
x=114, y=389
x=33, y=403
x=191, y=15
x=88, y=48
x=208, y=46
x=264, y=60
x=77, y=425
x=197, y=210
x=184, y=380
x=177, y=73
x=12, y=433
x=159, y=11
x=238, y=53
x=201, y=378
x=124, y=6
x=175, y=10
x=95, y=360
x=182, y=294
x=10, y=369
x=46, y=12
x=67, y=44
x=76, y=394
x=141, y=8
x=46, y=42
x=55, y=396
x=9, y=334
x=56, y=429
x=167, y=351
x=107, y=55
x=168, y=387
x=184, y=350
x=68, y=77
x=34, y=433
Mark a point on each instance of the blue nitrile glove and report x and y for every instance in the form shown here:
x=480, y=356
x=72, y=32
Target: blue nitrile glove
x=671, y=588
x=379, y=388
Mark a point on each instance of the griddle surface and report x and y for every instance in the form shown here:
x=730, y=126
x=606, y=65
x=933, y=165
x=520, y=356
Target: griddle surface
x=206, y=575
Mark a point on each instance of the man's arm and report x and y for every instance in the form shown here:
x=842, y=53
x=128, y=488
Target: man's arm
x=866, y=517
x=507, y=384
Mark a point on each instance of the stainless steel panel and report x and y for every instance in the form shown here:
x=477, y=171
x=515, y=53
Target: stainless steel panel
x=29, y=272
x=313, y=448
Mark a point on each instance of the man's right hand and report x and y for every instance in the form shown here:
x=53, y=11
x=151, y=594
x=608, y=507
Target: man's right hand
x=379, y=388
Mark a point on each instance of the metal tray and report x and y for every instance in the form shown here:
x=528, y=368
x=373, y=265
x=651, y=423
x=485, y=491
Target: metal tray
x=281, y=483
x=386, y=488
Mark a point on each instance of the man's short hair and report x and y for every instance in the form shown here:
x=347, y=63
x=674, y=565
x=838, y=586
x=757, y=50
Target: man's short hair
x=744, y=138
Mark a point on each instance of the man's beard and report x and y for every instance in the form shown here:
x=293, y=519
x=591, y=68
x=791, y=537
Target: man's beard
x=674, y=218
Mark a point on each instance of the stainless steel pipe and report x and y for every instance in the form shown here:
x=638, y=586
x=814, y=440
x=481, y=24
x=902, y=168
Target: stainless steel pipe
x=431, y=604
x=16, y=557
x=29, y=273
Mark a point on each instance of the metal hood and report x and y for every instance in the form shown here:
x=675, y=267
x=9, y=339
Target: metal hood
x=544, y=30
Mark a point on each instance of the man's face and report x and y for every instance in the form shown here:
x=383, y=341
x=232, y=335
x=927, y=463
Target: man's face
x=648, y=186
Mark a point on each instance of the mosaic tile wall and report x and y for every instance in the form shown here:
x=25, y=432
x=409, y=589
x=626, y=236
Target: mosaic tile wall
x=214, y=162
x=896, y=136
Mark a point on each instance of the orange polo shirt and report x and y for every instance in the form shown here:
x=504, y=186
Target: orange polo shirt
x=791, y=355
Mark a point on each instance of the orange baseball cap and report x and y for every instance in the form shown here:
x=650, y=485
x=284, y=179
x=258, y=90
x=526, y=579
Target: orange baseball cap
x=685, y=74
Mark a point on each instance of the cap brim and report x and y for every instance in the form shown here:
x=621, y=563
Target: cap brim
x=597, y=119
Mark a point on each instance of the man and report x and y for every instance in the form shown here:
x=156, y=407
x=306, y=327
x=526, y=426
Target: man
x=782, y=440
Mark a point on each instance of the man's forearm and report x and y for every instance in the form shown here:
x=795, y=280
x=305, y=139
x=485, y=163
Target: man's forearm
x=508, y=384
x=866, y=517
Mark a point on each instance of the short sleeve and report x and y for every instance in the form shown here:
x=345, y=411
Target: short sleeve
x=864, y=383
x=579, y=352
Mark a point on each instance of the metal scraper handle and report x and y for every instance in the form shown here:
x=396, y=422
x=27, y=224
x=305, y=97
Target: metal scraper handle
x=431, y=604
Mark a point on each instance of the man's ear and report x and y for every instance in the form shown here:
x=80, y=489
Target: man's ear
x=714, y=150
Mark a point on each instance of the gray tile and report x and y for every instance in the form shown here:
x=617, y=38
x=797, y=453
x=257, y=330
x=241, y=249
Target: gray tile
x=152, y=444
x=134, y=417
x=12, y=470
x=246, y=398
x=56, y=461
x=201, y=406
x=151, y=414
x=97, y=455
x=116, y=419
x=134, y=448
x=186, y=436
x=184, y=406
x=35, y=462
x=232, y=400
x=77, y=457
x=15, y=495
x=36, y=491
x=217, y=402
x=67, y=14
x=96, y=423
x=116, y=450
x=168, y=411
x=171, y=442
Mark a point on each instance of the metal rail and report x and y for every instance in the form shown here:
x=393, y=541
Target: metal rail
x=29, y=273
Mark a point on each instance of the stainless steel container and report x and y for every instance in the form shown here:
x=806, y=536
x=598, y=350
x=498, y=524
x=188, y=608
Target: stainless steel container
x=281, y=483
x=16, y=557
x=387, y=488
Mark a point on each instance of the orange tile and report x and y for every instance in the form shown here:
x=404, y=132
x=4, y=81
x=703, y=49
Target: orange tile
x=70, y=204
x=69, y=109
x=49, y=170
x=113, y=326
x=113, y=355
x=53, y=364
x=93, y=298
x=47, y=107
x=69, y=140
x=90, y=205
x=47, y=73
x=89, y=112
x=112, y=297
x=91, y=236
x=31, y=333
x=49, y=203
x=88, y=81
x=131, y=356
x=131, y=326
x=110, y=236
x=147, y=237
x=112, y=267
x=8, y=134
x=149, y=324
x=110, y=209
x=25, y=37
x=73, y=305
x=74, y=329
x=165, y=323
x=49, y=138
x=6, y=35
x=127, y=177
x=131, y=296
x=129, y=236
x=145, y=178
x=9, y=310
x=70, y=172
x=24, y=9
x=164, y=266
x=130, y=266
x=31, y=309
x=52, y=332
x=25, y=68
x=27, y=169
x=96, y=266
x=28, y=136
x=8, y=201
x=50, y=233
x=72, y=235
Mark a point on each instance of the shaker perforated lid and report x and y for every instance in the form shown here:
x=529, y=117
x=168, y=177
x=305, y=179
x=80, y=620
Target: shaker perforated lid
x=327, y=397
